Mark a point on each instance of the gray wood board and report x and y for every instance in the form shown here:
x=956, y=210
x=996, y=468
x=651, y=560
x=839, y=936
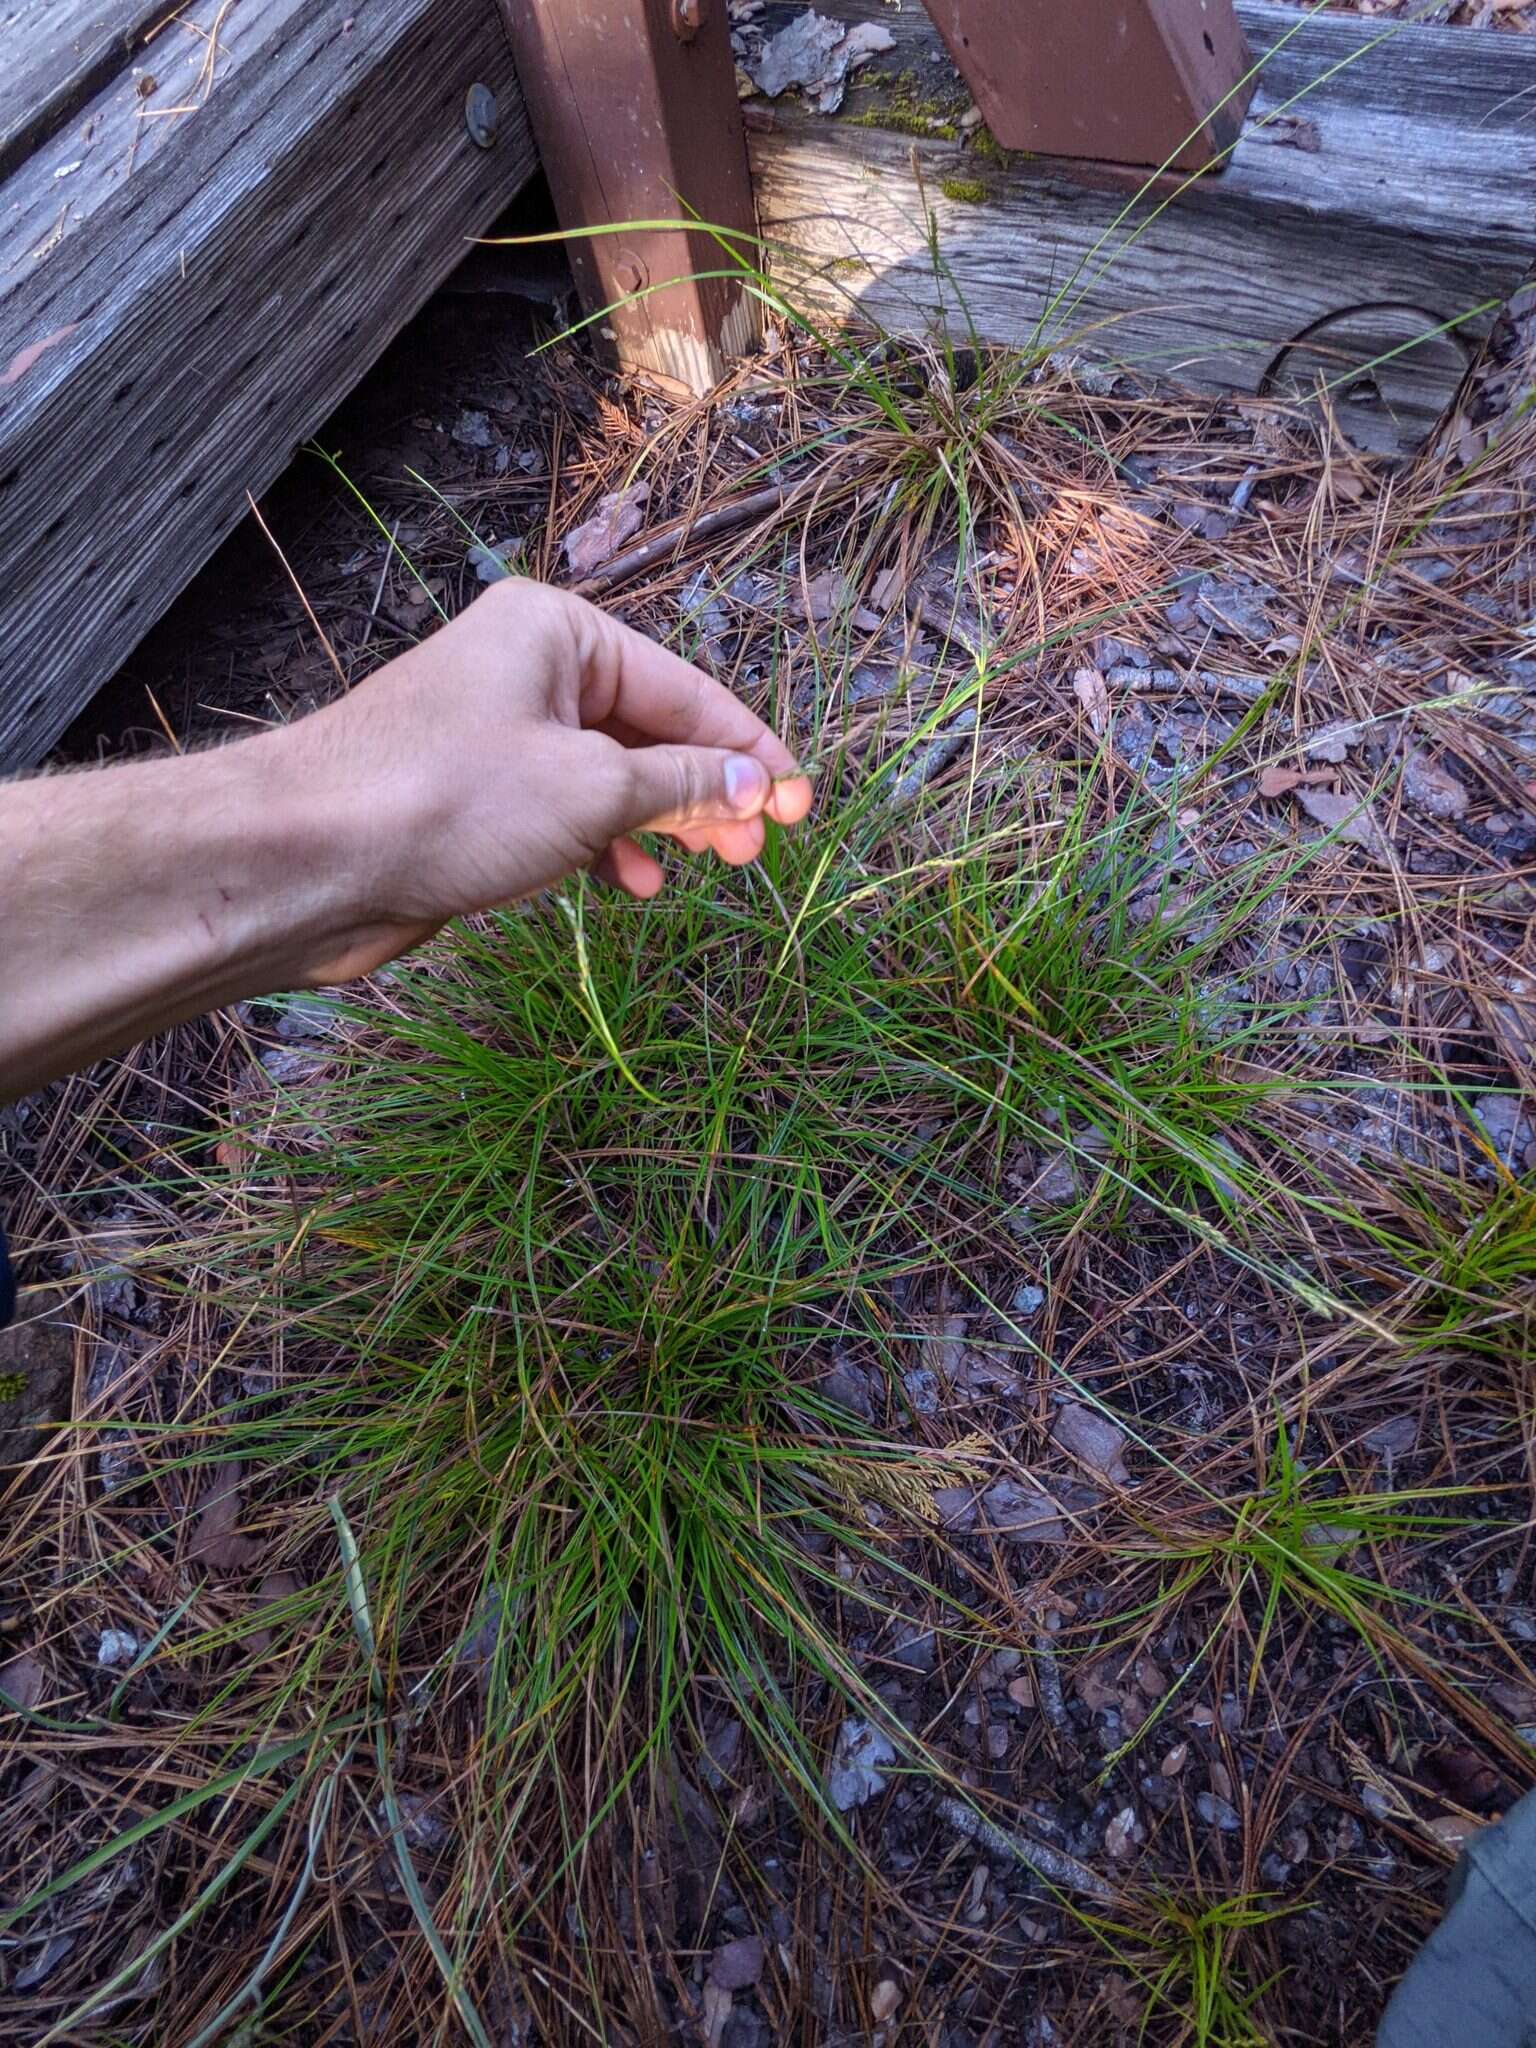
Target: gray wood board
x=1396, y=191
x=56, y=55
x=184, y=296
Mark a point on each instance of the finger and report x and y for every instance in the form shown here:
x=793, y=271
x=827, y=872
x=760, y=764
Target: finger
x=694, y=837
x=736, y=845
x=651, y=692
x=665, y=788
x=630, y=868
x=790, y=799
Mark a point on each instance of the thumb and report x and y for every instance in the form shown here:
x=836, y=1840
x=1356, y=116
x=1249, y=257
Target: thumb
x=670, y=786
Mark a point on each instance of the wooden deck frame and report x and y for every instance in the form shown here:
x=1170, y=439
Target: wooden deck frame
x=634, y=108
x=1155, y=82
x=1382, y=190
x=195, y=267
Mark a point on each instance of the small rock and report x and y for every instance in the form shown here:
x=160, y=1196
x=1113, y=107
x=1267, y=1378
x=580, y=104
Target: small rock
x=1218, y=1812
x=737, y=1965
x=1022, y=1515
x=957, y=1508
x=492, y=563
x=1394, y=1438
x=997, y=1741
x=117, y=1649
x=474, y=430
x=1096, y=1442
x=922, y=1387
x=914, y=1649
x=1028, y=1300
x=1508, y=1125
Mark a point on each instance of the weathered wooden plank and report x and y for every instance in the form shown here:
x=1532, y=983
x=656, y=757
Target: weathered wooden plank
x=633, y=105
x=55, y=56
x=185, y=295
x=1159, y=82
x=1382, y=185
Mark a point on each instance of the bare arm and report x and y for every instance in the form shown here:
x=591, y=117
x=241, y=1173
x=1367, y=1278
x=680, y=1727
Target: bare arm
x=526, y=740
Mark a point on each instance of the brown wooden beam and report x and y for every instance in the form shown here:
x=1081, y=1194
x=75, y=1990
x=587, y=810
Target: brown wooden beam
x=633, y=105
x=1123, y=81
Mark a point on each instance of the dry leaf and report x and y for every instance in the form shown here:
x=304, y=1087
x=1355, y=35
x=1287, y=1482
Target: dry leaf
x=1093, y=1440
x=1120, y=1835
x=23, y=1680
x=215, y=1540
x=1350, y=816
x=1089, y=689
x=1175, y=1760
x=886, y=589
x=232, y=1155
x=1433, y=788
x=616, y=520
x=1021, y=1690
x=274, y=1587
x=884, y=1999
x=1281, y=781
x=1092, y=1686
x=717, y=2012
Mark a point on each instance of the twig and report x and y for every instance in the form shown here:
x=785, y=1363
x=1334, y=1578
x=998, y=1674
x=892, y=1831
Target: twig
x=1048, y=1684
x=772, y=498
x=1054, y=1865
x=935, y=757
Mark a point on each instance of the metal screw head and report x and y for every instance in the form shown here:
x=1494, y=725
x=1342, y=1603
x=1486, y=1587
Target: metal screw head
x=480, y=115
x=688, y=17
x=629, y=273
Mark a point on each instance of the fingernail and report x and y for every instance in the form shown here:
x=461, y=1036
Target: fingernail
x=746, y=784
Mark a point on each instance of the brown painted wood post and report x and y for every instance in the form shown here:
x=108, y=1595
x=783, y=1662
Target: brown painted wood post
x=633, y=105
x=1122, y=81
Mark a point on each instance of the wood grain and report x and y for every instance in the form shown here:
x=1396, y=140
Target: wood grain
x=636, y=123
x=1383, y=185
x=55, y=55
x=189, y=293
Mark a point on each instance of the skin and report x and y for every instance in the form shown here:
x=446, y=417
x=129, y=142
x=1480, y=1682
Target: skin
x=531, y=737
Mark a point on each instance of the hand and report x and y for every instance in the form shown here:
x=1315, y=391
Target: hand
x=531, y=737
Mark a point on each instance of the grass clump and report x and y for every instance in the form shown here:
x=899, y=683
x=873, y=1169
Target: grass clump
x=1291, y=1543
x=1181, y=1955
x=596, y=1188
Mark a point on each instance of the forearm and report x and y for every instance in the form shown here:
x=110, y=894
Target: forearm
x=135, y=897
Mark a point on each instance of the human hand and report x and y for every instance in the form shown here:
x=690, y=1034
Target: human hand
x=532, y=737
